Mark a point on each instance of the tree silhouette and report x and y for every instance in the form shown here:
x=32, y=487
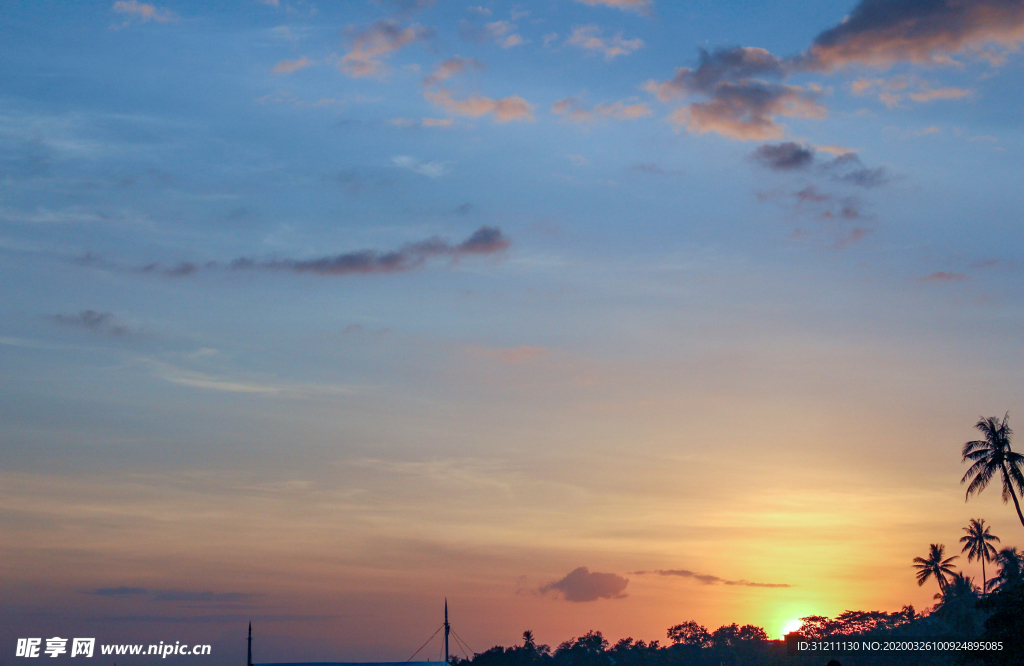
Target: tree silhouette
x=689, y=633
x=1011, y=570
x=991, y=455
x=934, y=565
x=977, y=545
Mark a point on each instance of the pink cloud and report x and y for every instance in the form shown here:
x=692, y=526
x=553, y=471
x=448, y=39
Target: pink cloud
x=504, y=110
x=379, y=40
x=289, y=66
x=943, y=276
x=143, y=12
x=590, y=38
x=880, y=33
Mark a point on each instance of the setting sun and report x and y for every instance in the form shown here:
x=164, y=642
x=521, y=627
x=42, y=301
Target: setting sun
x=791, y=626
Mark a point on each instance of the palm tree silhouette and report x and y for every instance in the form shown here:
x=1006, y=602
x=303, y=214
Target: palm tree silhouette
x=1011, y=569
x=991, y=455
x=935, y=566
x=977, y=546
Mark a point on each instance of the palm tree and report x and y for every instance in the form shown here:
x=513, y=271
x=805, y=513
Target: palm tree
x=935, y=566
x=1011, y=569
x=977, y=546
x=991, y=455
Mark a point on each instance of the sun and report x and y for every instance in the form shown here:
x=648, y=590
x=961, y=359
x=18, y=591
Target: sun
x=791, y=625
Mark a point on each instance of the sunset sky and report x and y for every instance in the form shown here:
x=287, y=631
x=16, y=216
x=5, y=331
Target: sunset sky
x=316, y=313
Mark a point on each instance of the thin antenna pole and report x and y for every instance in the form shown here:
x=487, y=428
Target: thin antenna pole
x=447, y=630
x=248, y=660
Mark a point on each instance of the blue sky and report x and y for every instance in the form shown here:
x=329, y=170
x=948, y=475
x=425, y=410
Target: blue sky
x=406, y=299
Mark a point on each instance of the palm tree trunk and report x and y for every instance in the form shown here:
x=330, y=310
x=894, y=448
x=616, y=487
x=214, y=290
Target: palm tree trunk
x=1009, y=484
x=983, y=580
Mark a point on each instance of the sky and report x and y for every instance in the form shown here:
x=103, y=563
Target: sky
x=584, y=314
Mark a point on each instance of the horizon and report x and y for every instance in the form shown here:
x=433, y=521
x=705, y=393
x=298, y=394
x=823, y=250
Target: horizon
x=582, y=314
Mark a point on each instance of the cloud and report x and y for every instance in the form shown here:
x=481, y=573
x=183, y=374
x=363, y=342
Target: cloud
x=289, y=66
x=504, y=110
x=944, y=276
x=451, y=67
x=638, y=6
x=834, y=215
x=416, y=165
x=940, y=93
x=100, y=322
x=855, y=235
x=143, y=13
x=787, y=156
x=848, y=168
x=174, y=595
x=411, y=256
x=742, y=104
x=708, y=579
x=880, y=33
x=653, y=169
x=485, y=240
x=574, y=111
x=500, y=32
x=379, y=40
x=582, y=585
x=589, y=38
x=893, y=91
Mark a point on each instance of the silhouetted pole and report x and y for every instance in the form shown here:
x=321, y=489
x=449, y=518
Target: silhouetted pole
x=248, y=660
x=447, y=628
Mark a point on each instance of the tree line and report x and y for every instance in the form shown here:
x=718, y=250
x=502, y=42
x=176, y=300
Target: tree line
x=993, y=611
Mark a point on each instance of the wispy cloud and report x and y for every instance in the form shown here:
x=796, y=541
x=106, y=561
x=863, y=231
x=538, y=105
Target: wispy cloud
x=416, y=165
x=378, y=41
x=485, y=240
x=98, y=322
x=573, y=110
x=289, y=66
x=451, y=67
x=638, y=6
x=502, y=33
x=846, y=167
x=423, y=122
x=175, y=595
x=708, y=579
x=897, y=89
x=944, y=276
x=505, y=109
x=225, y=383
x=591, y=38
x=581, y=585
x=654, y=169
x=135, y=11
